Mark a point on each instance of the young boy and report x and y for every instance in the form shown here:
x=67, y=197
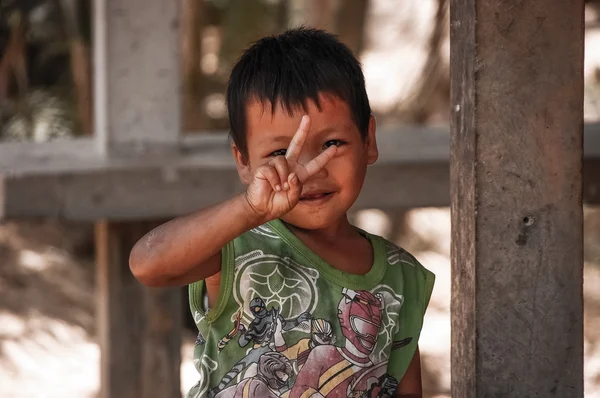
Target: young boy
x=302, y=303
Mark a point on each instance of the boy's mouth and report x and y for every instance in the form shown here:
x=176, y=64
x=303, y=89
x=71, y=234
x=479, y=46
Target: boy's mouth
x=314, y=196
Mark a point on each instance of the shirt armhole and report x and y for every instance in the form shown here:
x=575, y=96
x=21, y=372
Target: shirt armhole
x=422, y=297
x=196, y=289
x=428, y=288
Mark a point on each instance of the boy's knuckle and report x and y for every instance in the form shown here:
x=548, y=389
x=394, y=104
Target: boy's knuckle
x=279, y=161
x=267, y=168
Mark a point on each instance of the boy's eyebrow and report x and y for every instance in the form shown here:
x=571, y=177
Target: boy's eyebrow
x=328, y=129
x=285, y=139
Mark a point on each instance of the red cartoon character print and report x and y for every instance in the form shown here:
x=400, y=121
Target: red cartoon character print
x=331, y=371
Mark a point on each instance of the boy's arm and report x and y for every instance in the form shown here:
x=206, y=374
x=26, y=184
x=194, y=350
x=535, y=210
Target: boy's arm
x=187, y=249
x=410, y=385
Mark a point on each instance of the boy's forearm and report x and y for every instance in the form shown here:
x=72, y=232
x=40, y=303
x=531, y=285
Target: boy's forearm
x=181, y=245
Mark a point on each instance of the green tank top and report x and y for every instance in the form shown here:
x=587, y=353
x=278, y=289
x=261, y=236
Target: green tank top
x=287, y=324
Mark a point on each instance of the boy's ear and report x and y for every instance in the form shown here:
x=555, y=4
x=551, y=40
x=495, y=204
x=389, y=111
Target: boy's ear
x=371, y=142
x=242, y=164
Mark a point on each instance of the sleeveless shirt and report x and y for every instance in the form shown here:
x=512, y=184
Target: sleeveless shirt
x=288, y=324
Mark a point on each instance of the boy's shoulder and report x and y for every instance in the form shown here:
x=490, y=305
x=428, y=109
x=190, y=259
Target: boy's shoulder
x=396, y=255
x=403, y=268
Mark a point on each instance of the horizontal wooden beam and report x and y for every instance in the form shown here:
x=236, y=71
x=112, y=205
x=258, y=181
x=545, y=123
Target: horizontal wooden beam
x=69, y=180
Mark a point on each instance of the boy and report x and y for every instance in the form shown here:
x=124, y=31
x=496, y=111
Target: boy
x=302, y=304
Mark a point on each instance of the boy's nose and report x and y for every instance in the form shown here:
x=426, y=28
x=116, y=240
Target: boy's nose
x=309, y=156
x=321, y=174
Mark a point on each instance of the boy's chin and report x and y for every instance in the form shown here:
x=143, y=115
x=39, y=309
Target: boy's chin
x=310, y=221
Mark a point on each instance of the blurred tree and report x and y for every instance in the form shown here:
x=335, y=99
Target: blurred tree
x=246, y=21
x=350, y=23
x=434, y=80
x=214, y=33
x=314, y=13
x=77, y=17
x=192, y=26
x=44, y=69
x=13, y=62
x=346, y=18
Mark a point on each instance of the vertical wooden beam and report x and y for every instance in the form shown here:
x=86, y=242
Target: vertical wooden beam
x=516, y=141
x=139, y=327
x=136, y=111
x=136, y=74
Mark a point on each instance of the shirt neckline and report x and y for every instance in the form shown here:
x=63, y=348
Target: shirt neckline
x=351, y=281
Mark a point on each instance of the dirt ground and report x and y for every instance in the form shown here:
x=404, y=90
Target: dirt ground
x=47, y=326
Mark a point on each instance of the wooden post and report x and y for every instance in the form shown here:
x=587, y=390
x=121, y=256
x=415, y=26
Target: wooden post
x=137, y=113
x=516, y=187
x=139, y=327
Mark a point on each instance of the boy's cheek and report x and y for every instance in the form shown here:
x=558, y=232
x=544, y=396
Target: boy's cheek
x=246, y=175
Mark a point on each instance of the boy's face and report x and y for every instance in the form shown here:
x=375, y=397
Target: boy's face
x=270, y=133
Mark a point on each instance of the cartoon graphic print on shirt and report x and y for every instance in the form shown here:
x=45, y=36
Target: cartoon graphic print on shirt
x=338, y=370
x=274, y=371
x=313, y=364
x=275, y=280
x=264, y=230
x=260, y=331
x=321, y=333
x=283, y=313
x=291, y=348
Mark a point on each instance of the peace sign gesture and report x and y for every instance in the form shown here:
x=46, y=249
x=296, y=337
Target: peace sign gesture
x=277, y=185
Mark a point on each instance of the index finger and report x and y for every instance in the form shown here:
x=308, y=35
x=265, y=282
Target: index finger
x=314, y=166
x=293, y=151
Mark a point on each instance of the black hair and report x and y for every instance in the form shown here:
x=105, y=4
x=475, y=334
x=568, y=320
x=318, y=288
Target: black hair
x=290, y=69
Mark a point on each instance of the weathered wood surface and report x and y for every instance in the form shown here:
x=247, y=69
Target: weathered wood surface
x=139, y=328
x=68, y=180
x=136, y=74
x=137, y=108
x=517, y=101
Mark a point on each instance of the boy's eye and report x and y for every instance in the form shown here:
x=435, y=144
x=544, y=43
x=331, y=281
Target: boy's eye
x=333, y=142
x=279, y=152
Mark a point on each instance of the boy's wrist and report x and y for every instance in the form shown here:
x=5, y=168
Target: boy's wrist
x=252, y=217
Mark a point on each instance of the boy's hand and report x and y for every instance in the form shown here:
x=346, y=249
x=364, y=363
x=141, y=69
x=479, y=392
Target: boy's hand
x=277, y=185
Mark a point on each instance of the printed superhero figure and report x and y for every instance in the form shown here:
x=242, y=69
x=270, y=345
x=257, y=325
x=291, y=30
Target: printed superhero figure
x=260, y=331
x=274, y=373
x=383, y=387
x=262, y=327
x=332, y=371
x=321, y=333
x=200, y=339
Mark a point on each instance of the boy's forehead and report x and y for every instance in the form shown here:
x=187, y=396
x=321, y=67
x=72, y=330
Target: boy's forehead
x=263, y=117
x=264, y=111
